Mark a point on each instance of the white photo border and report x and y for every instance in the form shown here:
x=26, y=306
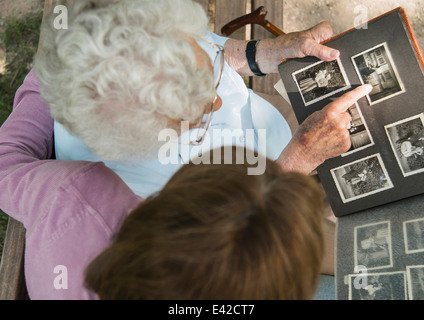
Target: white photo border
x=405, y=174
x=409, y=279
x=383, y=167
x=343, y=73
x=351, y=277
x=355, y=244
x=366, y=129
x=402, y=87
x=405, y=236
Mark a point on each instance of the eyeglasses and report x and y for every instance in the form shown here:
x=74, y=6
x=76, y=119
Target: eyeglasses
x=205, y=123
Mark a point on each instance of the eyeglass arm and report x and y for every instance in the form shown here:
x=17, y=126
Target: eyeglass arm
x=256, y=17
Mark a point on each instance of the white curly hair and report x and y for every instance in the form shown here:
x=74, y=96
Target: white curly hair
x=123, y=71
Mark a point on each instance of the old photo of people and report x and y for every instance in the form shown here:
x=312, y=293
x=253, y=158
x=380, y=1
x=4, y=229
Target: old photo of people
x=321, y=80
x=407, y=141
x=360, y=135
x=379, y=286
x=413, y=231
x=373, y=246
x=375, y=66
x=415, y=276
x=361, y=178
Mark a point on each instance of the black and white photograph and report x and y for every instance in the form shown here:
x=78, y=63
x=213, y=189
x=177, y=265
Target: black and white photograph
x=361, y=178
x=321, y=80
x=413, y=231
x=379, y=286
x=407, y=141
x=415, y=276
x=360, y=136
x=373, y=246
x=375, y=66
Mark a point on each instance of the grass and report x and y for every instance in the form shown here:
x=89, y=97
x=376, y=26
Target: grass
x=18, y=41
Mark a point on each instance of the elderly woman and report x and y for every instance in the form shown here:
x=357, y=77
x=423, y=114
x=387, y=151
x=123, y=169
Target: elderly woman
x=126, y=70
x=213, y=232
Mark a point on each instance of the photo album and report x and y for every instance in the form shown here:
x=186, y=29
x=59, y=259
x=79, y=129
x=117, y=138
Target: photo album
x=386, y=160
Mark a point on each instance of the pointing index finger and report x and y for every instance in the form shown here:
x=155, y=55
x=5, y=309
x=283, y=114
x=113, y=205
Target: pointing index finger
x=348, y=99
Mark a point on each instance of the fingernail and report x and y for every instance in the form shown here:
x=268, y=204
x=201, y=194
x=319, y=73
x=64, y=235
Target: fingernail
x=334, y=54
x=368, y=88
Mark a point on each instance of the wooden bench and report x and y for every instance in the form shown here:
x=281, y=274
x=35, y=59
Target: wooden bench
x=12, y=276
x=12, y=280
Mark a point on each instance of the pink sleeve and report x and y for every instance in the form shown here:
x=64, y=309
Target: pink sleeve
x=30, y=126
x=30, y=182
x=25, y=138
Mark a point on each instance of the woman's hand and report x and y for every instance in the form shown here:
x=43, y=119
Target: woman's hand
x=323, y=135
x=270, y=52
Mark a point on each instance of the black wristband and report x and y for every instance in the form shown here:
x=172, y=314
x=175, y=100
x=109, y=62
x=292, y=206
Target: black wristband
x=251, y=58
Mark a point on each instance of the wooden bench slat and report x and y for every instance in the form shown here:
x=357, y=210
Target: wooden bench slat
x=12, y=276
x=12, y=279
x=227, y=11
x=274, y=15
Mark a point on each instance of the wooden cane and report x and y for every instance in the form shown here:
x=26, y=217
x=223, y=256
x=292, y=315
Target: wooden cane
x=256, y=17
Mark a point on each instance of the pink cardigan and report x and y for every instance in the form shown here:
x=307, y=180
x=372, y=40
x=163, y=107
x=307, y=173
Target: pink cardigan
x=70, y=209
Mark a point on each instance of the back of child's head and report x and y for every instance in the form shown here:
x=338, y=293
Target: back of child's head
x=215, y=232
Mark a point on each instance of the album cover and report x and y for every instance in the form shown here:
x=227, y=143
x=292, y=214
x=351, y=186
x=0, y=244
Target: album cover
x=386, y=160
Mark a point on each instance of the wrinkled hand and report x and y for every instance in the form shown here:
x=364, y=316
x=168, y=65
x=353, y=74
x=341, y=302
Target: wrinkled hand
x=271, y=52
x=323, y=135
